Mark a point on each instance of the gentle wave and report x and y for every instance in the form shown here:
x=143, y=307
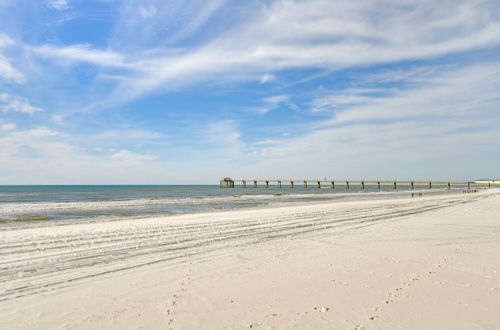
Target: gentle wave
x=141, y=203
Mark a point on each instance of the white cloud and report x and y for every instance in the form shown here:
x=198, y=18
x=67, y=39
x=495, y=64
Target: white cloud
x=197, y=19
x=222, y=133
x=147, y=12
x=44, y=156
x=8, y=127
x=9, y=73
x=82, y=53
x=346, y=97
x=273, y=102
x=127, y=155
x=5, y=40
x=7, y=70
x=156, y=23
x=43, y=132
x=57, y=119
x=265, y=78
x=471, y=91
x=58, y=4
x=16, y=103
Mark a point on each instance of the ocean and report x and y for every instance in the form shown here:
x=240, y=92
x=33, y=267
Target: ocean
x=32, y=205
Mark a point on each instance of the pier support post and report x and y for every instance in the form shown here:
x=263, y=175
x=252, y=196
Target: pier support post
x=362, y=185
x=319, y=185
x=378, y=185
x=267, y=184
x=305, y=184
x=395, y=187
x=333, y=184
x=411, y=185
x=255, y=183
x=291, y=183
x=279, y=183
x=430, y=185
x=347, y=185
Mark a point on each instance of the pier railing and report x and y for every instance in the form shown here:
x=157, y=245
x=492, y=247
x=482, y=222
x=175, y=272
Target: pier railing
x=230, y=183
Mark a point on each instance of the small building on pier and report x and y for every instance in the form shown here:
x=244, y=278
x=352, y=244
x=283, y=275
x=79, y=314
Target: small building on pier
x=227, y=183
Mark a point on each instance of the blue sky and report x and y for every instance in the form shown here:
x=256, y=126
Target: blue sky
x=159, y=92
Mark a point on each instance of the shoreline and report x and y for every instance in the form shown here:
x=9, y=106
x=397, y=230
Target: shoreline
x=27, y=216
x=123, y=273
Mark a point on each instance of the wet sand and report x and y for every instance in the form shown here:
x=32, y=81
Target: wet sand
x=429, y=262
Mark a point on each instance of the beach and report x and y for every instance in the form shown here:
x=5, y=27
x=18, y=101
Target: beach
x=427, y=262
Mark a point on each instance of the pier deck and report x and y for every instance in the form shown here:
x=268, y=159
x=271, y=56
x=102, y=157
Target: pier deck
x=347, y=183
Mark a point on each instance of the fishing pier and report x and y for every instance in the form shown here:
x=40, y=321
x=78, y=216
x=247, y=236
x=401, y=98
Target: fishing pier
x=347, y=184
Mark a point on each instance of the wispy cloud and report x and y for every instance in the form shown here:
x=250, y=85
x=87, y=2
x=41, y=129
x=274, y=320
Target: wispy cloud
x=16, y=103
x=327, y=35
x=265, y=78
x=273, y=102
x=8, y=127
x=147, y=11
x=81, y=53
x=58, y=4
x=7, y=71
x=318, y=34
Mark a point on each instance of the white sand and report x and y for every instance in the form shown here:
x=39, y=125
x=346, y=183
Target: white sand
x=423, y=263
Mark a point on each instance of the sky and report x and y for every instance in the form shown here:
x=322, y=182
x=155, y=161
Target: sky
x=186, y=92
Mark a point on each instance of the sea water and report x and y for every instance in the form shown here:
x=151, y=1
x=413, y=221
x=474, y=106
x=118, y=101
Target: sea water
x=27, y=205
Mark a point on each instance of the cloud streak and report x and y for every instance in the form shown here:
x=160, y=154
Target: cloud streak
x=14, y=103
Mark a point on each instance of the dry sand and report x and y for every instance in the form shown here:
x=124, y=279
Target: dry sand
x=423, y=263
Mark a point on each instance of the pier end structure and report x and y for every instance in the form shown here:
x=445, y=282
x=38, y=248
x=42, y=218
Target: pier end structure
x=227, y=183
